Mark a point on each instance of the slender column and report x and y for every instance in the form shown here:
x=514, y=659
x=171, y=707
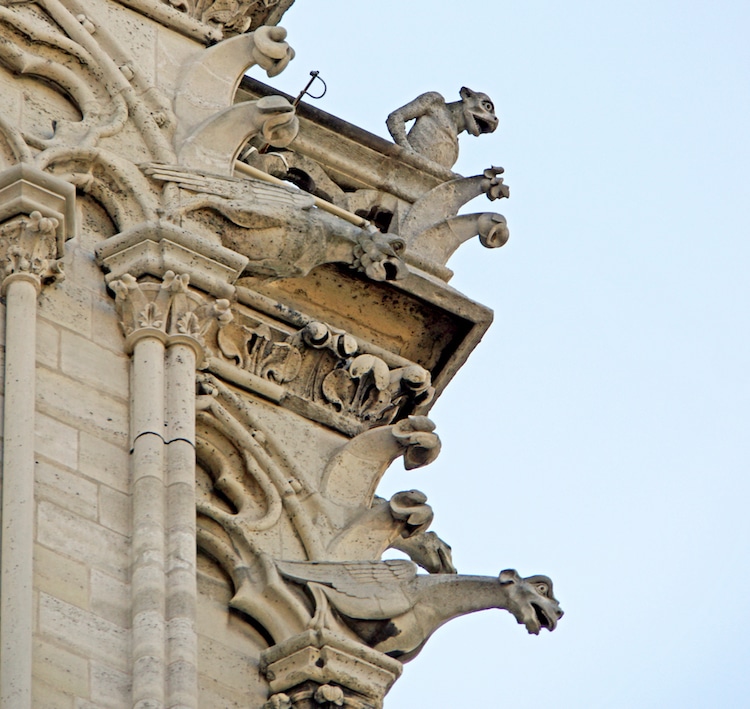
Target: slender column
x=18, y=491
x=148, y=487
x=29, y=245
x=182, y=645
x=163, y=324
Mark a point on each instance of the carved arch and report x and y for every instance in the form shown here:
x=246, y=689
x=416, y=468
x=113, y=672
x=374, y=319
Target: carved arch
x=118, y=185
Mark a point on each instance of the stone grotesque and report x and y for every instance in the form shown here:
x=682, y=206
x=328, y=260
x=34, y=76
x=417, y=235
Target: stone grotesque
x=395, y=611
x=211, y=128
x=276, y=228
x=437, y=124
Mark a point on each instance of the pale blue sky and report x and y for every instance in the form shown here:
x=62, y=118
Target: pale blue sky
x=599, y=433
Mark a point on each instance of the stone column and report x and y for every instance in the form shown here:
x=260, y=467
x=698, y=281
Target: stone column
x=164, y=323
x=36, y=213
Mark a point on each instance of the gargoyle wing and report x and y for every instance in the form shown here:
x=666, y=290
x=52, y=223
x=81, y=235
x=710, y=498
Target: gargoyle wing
x=231, y=188
x=368, y=590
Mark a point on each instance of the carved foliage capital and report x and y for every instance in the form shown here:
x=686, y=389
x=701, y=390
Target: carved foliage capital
x=167, y=310
x=28, y=249
x=37, y=214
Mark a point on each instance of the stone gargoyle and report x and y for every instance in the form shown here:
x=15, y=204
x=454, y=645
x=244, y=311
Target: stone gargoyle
x=211, y=127
x=394, y=610
x=277, y=228
x=437, y=124
x=433, y=229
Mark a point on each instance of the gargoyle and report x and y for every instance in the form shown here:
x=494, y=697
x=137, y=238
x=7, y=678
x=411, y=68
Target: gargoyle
x=438, y=124
x=354, y=471
x=277, y=229
x=444, y=201
x=395, y=611
x=211, y=129
x=428, y=550
x=432, y=248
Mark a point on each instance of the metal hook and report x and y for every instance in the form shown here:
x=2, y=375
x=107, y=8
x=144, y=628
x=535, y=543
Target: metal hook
x=315, y=75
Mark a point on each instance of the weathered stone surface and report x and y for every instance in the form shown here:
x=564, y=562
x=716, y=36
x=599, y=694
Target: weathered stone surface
x=238, y=351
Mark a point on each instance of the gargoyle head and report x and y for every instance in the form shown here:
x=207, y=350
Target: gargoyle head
x=379, y=256
x=280, y=125
x=493, y=230
x=478, y=111
x=530, y=600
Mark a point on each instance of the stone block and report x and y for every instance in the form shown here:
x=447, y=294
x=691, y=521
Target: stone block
x=83, y=540
x=56, y=441
x=213, y=694
x=63, y=670
x=114, y=510
x=105, y=462
x=66, y=489
x=224, y=664
x=68, y=304
x=110, y=598
x=110, y=688
x=107, y=324
x=81, y=406
x=91, y=364
x=84, y=632
x=61, y=576
x=47, y=696
x=47, y=344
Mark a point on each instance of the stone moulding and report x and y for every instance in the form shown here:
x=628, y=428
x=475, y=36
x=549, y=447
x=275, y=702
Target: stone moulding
x=25, y=189
x=326, y=657
x=317, y=371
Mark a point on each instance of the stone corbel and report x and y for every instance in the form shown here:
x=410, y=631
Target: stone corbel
x=318, y=669
x=211, y=130
x=37, y=215
x=353, y=473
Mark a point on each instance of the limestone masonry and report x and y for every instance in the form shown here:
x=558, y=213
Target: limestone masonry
x=225, y=315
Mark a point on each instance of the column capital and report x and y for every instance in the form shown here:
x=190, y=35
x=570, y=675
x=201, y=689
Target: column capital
x=157, y=248
x=168, y=310
x=37, y=215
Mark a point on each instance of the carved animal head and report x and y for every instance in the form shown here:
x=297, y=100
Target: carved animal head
x=379, y=256
x=530, y=600
x=493, y=230
x=479, y=112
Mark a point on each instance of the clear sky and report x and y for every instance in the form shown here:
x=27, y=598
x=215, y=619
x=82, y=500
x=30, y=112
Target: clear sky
x=599, y=433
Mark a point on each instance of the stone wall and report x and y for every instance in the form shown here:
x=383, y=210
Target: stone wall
x=225, y=367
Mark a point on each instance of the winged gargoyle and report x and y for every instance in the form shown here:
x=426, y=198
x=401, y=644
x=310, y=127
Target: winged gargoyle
x=395, y=611
x=277, y=229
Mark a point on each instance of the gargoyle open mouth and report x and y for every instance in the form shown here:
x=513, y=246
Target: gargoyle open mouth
x=484, y=126
x=544, y=620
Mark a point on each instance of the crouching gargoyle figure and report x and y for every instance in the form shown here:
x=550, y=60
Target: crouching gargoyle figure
x=395, y=611
x=438, y=124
